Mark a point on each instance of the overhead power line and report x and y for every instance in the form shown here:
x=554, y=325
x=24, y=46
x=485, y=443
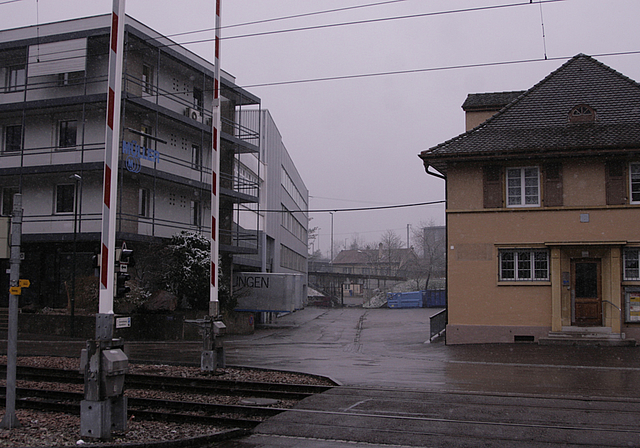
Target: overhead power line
x=381, y=19
x=431, y=69
x=356, y=209
x=277, y=19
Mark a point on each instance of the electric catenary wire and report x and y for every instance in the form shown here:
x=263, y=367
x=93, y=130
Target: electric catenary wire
x=277, y=19
x=356, y=209
x=382, y=19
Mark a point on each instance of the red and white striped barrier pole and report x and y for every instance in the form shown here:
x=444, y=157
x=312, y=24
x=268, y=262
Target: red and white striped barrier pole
x=111, y=153
x=215, y=174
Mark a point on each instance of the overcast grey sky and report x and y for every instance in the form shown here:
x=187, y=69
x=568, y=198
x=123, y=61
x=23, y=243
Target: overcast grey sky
x=355, y=141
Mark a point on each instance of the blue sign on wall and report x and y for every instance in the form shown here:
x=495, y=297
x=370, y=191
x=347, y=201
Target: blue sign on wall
x=134, y=153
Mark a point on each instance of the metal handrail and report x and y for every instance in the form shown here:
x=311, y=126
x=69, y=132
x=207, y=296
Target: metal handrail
x=437, y=324
x=619, y=309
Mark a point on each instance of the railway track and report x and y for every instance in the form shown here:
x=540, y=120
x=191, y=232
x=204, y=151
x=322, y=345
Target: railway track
x=47, y=398
x=245, y=417
x=200, y=386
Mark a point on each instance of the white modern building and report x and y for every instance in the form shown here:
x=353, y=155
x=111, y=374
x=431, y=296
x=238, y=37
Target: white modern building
x=53, y=83
x=284, y=201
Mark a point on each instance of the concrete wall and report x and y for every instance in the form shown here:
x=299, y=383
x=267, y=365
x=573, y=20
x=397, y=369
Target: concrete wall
x=144, y=327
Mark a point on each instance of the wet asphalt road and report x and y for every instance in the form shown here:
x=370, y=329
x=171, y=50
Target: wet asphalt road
x=388, y=348
x=399, y=390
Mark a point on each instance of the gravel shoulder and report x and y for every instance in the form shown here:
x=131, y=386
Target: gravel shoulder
x=40, y=429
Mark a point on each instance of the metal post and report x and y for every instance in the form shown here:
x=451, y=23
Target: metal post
x=331, y=248
x=77, y=178
x=101, y=412
x=10, y=420
x=215, y=172
x=111, y=152
x=213, y=348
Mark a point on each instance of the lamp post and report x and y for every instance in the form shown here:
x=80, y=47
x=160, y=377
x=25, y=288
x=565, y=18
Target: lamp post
x=77, y=178
x=331, y=249
x=331, y=259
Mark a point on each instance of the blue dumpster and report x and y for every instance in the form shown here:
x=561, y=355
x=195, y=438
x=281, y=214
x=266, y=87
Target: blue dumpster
x=405, y=299
x=434, y=298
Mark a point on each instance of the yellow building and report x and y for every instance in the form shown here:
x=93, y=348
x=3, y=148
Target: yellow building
x=543, y=211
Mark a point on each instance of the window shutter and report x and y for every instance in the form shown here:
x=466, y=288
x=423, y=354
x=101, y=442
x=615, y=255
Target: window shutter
x=492, y=186
x=553, y=191
x=615, y=183
x=58, y=57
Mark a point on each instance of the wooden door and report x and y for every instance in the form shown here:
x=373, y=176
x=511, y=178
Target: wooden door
x=587, y=290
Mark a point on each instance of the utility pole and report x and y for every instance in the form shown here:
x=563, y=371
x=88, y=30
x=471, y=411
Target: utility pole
x=408, y=227
x=10, y=420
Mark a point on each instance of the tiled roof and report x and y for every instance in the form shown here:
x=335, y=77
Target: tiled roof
x=538, y=120
x=493, y=100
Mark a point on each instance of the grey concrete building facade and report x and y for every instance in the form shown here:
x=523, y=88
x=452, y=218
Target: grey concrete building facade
x=53, y=83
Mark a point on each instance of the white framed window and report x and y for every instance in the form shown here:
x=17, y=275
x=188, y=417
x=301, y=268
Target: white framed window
x=523, y=187
x=631, y=260
x=144, y=200
x=67, y=133
x=524, y=265
x=65, y=198
x=634, y=182
x=16, y=78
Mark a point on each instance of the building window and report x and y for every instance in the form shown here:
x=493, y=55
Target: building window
x=634, y=179
x=292, y=260
x=524, y=265
x=16, y=77
x=195, y=213
x=582, y=114
x=523, y=187
x=7, y=200
x=13, y=138
x=70, y=78
x=198, y=99
x=147, y=79
x=144, y=203
x=196, y=156
x=65, y=195
x=68, y=133
x=631, y=264
x=147, y=132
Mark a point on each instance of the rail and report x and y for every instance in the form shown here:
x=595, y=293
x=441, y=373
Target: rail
x=437, y=324
x=618, y=308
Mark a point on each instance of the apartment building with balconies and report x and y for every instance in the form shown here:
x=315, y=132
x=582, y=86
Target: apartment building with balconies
x=53, y=84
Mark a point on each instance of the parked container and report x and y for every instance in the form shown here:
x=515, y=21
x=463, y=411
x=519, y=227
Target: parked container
x=405, y=299
x=434, y=298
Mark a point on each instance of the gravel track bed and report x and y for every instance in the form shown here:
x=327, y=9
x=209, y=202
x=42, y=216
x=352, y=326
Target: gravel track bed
x=39, y=429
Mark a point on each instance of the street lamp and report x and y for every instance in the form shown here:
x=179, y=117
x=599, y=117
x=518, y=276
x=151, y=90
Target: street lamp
x=77, y=178
x=331, y=259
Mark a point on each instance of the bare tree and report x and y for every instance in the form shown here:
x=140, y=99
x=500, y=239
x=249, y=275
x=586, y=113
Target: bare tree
x=431, y=240
x=390, y=242
x=357, y=242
